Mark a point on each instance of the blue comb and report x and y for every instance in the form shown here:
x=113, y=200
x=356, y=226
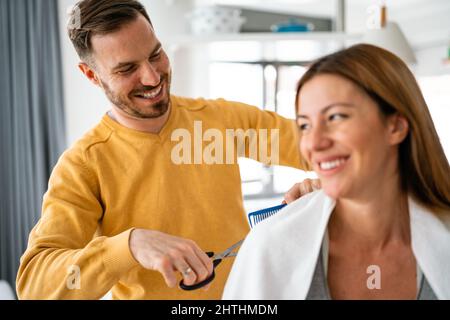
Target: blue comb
x=256, y=217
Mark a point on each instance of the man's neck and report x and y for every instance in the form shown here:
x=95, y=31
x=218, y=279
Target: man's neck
x=151, y=125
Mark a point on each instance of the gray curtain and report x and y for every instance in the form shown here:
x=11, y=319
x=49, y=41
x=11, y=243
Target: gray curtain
x=32, y=130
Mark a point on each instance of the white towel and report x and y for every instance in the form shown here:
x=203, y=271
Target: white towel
x=278, y=258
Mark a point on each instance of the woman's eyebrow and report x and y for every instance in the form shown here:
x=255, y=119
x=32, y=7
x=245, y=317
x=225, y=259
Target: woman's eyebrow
x=324, y=110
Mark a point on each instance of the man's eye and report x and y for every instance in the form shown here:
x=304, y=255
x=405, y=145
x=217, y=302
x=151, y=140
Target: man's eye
x=155, y=56
x=125, y=71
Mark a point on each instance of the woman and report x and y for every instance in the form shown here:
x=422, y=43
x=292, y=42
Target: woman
x=379, y=228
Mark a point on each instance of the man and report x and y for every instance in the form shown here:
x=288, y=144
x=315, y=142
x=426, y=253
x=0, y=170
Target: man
x=127, y=208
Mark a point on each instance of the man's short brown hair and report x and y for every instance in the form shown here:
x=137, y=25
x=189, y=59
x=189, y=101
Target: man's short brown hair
x=99, y=17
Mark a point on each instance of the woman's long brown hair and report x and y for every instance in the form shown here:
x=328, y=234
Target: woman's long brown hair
x=424, y=168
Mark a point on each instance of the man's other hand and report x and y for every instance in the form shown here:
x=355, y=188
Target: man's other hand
x=300, y=189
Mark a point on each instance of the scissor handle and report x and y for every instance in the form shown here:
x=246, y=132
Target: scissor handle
x=196, y=286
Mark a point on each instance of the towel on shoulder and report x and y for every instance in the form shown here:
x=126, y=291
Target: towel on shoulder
x=278, y=258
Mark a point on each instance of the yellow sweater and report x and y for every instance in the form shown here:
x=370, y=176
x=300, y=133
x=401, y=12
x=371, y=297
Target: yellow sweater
x=115, y=179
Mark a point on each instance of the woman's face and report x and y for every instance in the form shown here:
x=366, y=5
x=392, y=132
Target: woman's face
x=344, y=137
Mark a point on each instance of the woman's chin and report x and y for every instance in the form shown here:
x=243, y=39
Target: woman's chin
x=332, y=190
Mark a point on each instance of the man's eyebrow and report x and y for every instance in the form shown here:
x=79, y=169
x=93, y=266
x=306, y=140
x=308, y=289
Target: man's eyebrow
x=130, y=63
x=124, y=64
x=324, y=110
x=157, y=48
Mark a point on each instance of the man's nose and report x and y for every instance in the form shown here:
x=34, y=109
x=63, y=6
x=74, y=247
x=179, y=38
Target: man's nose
x=318, y=138
x=149, y=75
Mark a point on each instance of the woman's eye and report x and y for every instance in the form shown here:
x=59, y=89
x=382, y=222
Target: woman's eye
x=337, y=116
x=303, y=127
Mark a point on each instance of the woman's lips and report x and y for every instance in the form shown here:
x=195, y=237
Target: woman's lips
x=331, y=165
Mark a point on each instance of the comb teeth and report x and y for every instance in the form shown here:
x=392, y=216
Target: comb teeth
x=258, y=216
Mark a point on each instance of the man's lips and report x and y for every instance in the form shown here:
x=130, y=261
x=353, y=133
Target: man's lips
x=150, y=94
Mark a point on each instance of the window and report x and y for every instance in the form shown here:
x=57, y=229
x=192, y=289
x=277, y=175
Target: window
x=242, y=72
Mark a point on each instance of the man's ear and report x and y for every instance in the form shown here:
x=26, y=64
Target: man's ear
x=398, y=129
x=89, y=73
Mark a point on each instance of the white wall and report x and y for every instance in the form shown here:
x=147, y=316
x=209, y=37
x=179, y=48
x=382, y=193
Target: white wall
x=85, y=104
x=169, y=20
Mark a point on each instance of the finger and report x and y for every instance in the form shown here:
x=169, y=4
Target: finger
x=206, y=287
x=188, y=273
x=199, y=260
x=316, y=184
x=206, y=261
x=198, y=265
x=302, y=188
x=307, y=186
x=293, y=193
x=166, y=268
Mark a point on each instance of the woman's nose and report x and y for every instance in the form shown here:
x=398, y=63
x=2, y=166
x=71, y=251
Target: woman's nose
x=318, y=138
x=149, y=75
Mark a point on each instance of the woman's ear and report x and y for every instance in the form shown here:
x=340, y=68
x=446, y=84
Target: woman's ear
x=398, y=129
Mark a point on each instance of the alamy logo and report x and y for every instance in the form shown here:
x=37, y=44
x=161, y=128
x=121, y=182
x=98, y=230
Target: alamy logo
x=224, y=150
x=74, y=20
x=374, y=280
x=73, y=278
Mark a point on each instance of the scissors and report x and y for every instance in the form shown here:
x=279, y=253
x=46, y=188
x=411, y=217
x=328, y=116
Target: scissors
x=217, y=259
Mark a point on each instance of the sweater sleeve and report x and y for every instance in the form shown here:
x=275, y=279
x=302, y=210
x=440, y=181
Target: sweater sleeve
x=281, y=144
x=64, y=259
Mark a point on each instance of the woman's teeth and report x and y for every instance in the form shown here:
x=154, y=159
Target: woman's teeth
x=150, y=94
x=328, y=165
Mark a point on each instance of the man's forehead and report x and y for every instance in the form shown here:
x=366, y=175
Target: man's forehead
x=133, y=41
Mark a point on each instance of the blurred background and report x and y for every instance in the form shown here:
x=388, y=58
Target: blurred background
x=253, y=51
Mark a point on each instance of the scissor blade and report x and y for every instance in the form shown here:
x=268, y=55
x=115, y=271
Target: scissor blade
x=222, y=256
x=231, y=254
x=228, y=252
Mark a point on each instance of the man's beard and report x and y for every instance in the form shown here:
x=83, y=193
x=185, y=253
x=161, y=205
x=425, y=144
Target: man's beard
x=125, y=104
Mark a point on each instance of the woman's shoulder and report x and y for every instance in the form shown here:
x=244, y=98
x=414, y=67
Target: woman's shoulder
x=431, y=246
x=295, y=214
x=293, y=236
x=298, y=221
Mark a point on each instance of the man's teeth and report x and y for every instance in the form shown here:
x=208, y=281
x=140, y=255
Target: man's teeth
x=331, y=164
x=150, y=94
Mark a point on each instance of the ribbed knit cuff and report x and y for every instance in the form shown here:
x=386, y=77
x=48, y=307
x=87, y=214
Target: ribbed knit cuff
x=117, y=256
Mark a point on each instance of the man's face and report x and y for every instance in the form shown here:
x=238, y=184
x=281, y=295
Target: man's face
x=133, y=70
